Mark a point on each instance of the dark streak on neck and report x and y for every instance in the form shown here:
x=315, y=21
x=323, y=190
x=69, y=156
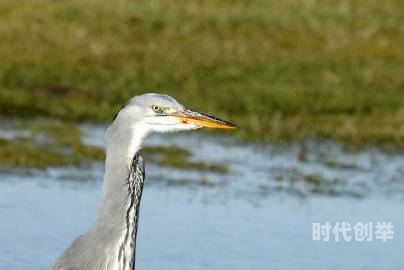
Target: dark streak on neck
x=135, y=186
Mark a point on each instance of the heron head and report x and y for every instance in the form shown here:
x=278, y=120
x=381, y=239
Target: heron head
x=162, y=113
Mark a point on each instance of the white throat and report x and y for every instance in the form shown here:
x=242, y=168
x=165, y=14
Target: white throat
x=139, y=132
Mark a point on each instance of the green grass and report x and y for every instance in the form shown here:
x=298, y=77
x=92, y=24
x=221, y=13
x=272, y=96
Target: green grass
x=50, y=143
x=281, y=70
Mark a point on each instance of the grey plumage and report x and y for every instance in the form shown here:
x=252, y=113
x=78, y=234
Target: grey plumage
x=90, y=251
x=111, y=240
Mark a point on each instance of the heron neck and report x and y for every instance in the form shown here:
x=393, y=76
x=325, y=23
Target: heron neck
x=117, y=214
x=123, y=140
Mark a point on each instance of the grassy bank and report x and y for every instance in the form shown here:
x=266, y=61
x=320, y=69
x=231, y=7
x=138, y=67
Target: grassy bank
x=44, y=143
x=279, y=69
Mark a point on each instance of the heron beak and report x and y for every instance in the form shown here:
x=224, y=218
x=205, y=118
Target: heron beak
x=187, y=116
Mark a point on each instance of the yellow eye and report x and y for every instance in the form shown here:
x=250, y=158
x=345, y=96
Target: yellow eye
x=157, y=109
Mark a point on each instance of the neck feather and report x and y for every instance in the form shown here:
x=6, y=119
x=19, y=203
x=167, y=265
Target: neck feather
x=118, y=211
x=124, y=140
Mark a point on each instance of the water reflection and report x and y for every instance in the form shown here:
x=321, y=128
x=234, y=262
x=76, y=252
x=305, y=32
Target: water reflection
x=257, y=216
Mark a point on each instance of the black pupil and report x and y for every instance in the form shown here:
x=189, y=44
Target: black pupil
x=156, y=108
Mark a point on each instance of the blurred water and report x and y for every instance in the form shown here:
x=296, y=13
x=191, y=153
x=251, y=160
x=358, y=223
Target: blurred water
x=259, y=216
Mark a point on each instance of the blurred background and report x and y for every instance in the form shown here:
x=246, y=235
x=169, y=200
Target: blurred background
x=316, y=88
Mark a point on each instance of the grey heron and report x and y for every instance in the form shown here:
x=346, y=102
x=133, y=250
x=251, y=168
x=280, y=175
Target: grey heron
x=110, y=242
